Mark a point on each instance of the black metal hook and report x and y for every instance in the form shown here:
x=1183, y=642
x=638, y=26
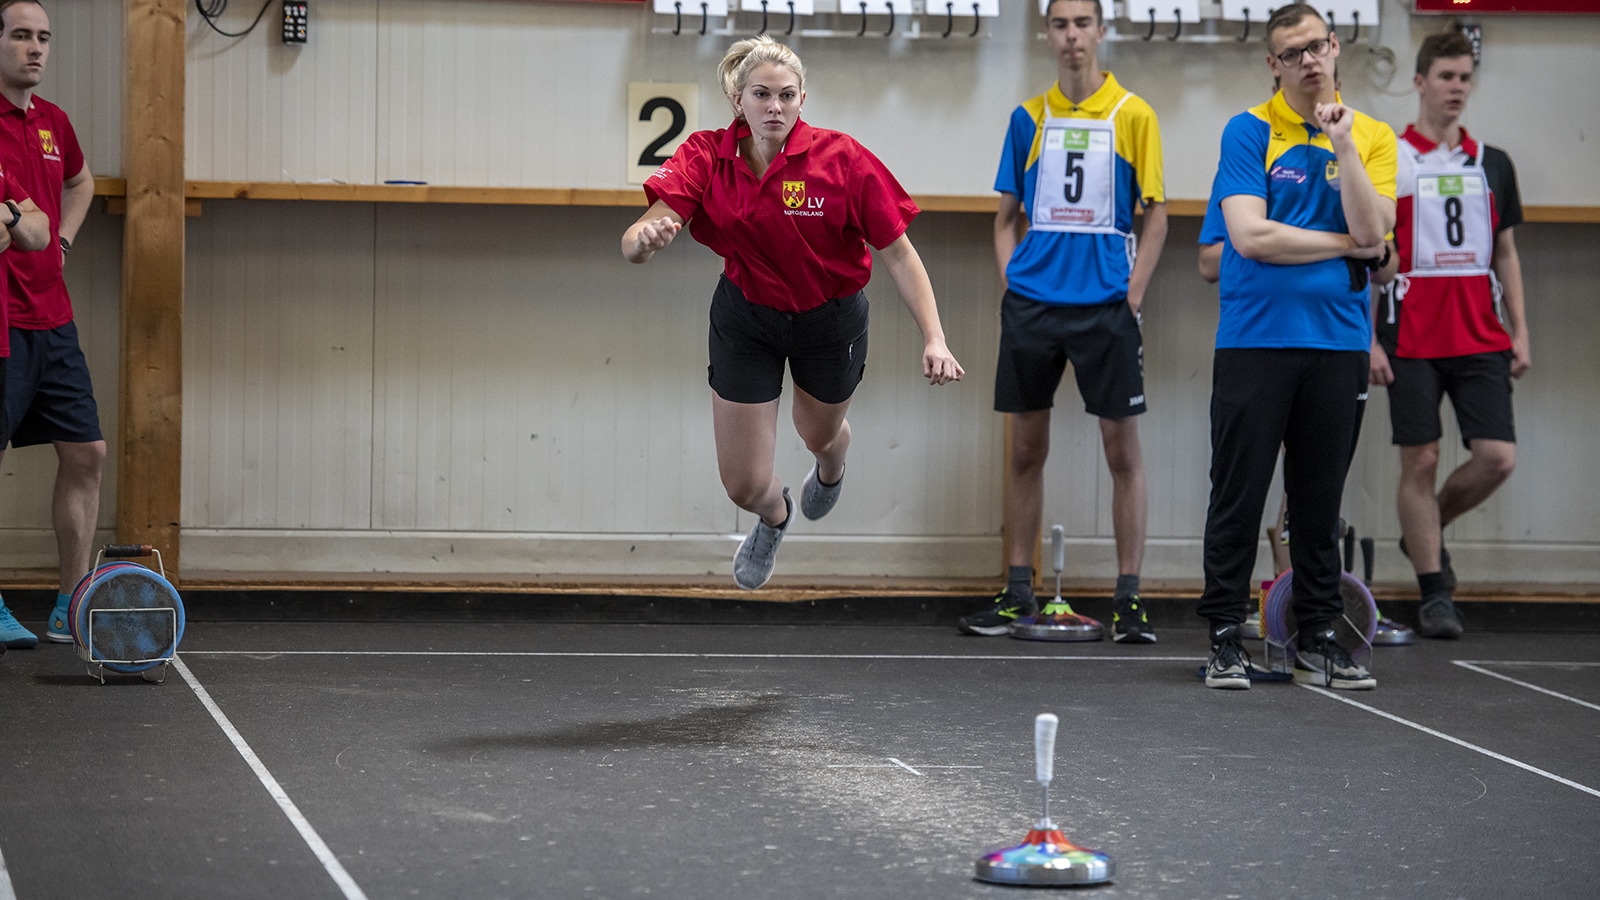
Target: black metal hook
x=790, y=29
x=763, y=19
x=1245, y=36
x=891, y=20
x=949, y=19
x=976, y=21
x=863, y=30
x=1333, y=26
x=1152, y=32
x=678, y=26
x=1177, y=28
x=1355, y=27
x=705, y=13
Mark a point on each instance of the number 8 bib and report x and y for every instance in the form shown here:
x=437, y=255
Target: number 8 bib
x=1453, y=233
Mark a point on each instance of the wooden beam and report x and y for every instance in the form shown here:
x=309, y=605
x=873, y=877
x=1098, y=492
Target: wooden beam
x=150, y=432
x=632, y=197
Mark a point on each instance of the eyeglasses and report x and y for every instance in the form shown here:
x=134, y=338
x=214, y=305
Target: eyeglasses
x=1318, y=49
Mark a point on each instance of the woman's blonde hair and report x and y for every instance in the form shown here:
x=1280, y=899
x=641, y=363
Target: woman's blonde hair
x=742, y=58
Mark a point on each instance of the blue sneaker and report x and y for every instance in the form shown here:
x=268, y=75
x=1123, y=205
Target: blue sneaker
x=12, y=635
x=57, y=629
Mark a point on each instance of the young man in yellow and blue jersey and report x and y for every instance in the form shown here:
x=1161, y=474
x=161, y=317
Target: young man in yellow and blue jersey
x=1307, y=186
x=1077, y=162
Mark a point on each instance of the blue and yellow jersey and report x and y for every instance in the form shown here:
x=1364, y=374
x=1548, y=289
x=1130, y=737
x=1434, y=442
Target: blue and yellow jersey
x=1072, y=268
x=1213, y=228
x=1272, y=153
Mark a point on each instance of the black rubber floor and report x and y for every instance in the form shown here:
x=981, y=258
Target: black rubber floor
x=489, y=760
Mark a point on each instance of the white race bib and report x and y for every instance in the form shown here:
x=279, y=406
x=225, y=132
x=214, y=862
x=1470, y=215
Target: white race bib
x=1076, y=187
x=1452, y=231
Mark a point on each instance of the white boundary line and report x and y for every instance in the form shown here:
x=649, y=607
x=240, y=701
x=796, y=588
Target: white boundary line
x=1455, y=740
x=330, y=862
x=573, y=653
x=1473, y=667
x=7, y=892
x=1527, y=662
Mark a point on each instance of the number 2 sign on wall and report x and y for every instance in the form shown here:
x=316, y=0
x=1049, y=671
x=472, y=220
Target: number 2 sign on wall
x=660, y=116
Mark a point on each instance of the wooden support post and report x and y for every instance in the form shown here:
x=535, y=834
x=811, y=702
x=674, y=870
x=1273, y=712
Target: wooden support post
x=150, y=436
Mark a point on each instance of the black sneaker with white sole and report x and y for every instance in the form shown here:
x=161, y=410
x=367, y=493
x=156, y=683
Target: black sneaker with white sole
x=995, y=620
x=1320, y=660
x=1229, y=667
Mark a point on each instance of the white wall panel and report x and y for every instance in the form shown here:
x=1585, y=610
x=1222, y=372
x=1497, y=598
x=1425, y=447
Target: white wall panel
x=84, y=77
x=258, y=109
x=278, y=335
x=533, y=94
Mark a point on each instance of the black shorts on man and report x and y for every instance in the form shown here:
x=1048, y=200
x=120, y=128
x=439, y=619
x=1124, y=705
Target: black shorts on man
x=1102, y=342
x=48, y=394
x=1479, y=387
x=825, y=347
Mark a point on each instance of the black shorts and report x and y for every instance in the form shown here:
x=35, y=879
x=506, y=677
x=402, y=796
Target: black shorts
x=1479, y=387
x=826, y=347
x=1102, y=342
x=48, y=393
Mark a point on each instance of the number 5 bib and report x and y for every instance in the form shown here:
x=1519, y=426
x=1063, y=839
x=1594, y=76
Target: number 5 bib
x=1453, y=225
x=1076, y=187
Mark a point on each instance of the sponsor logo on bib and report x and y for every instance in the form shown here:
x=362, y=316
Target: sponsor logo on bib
x=1451, y=185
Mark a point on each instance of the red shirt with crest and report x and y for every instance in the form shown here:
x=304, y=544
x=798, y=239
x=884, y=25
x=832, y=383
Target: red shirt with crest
x=40, y=150
x=798, y=236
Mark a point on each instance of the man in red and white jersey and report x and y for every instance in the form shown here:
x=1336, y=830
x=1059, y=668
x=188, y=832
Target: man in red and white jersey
x=1452, y=322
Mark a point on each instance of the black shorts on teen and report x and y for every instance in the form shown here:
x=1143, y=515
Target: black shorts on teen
x=1479, y=387
x=1102, y=342
x=826, y=347
x=48, y=393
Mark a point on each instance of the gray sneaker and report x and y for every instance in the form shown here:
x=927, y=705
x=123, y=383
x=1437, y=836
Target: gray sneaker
x=758, y=552
x=1439, y=618
x=816, y=498
x=1319, y=659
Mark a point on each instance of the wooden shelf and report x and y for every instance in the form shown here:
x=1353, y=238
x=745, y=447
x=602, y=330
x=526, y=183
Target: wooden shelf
x=113, y=189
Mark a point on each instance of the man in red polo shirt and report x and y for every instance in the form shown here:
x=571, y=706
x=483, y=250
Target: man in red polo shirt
x=49, y=398
x=1441, y=330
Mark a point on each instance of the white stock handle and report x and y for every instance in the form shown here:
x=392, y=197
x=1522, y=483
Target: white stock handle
x=1044, y=746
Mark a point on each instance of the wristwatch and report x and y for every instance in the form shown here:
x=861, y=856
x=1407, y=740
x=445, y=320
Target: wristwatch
x=66, y=245
x=16, y=213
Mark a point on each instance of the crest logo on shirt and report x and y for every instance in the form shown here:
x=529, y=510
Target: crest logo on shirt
x=1330, y=173
x=47, y=141
x=794, y=194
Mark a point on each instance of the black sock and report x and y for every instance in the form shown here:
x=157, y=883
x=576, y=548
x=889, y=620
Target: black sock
x=1127, y=586
x=1019, y=581
x=1431, y=583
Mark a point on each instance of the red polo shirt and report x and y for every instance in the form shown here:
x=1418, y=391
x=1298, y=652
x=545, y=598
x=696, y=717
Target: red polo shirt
x=796, y=237
x=8, y=191
x=39, y=148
